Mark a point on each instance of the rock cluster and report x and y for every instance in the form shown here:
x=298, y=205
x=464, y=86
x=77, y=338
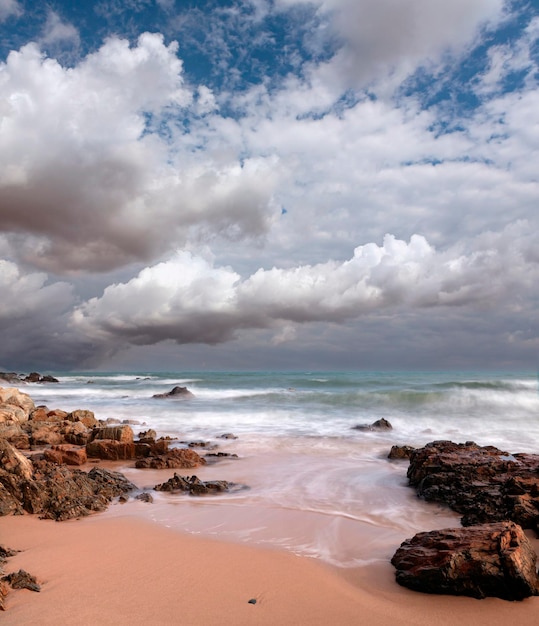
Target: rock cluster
x=33, y=377
x=498, y=495
x=15, y=580
x=485, y=484
x=54, y=491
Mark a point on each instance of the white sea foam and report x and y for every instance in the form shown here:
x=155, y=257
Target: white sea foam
x=316, y=483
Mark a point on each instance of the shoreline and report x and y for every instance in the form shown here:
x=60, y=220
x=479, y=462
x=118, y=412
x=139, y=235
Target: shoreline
x=129, y=570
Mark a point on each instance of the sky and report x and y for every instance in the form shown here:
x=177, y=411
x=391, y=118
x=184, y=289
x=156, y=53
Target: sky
x=269, y=184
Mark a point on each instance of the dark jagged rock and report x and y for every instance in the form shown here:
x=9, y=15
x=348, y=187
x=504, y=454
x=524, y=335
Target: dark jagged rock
x=10, y=377
x=193, y=485
x=35, y=377
x=400, y=452
x=484, y=484
x=381, y=424
x=175, y=392
x=22, y=580
x=53, y=491
x=215, y=456
x=227, y=436
x=207, y=445
x=178, y=458
x=485, y=560
x=144, y=497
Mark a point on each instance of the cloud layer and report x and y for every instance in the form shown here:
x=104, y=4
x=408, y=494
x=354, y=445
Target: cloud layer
x=143, y=205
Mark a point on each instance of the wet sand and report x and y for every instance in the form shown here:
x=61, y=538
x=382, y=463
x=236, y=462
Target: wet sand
x=125, y=569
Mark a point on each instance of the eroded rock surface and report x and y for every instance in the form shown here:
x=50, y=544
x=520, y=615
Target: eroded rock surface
x=479, y=561
x=193, y=485
x=484, y=484
x=177, y=458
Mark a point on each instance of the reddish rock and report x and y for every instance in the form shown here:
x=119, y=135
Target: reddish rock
x=66, y=454
x=57, y=415
x=14, y=397
x=40, y=414
x=123, y=433
x=4, y=590
x=479, y=561
x=76, y=433
x=400, y=452
x=84, y=416
x=174, y=459
x=110, y=449
x=46, y=434
x=14, y=462
x=15, y=435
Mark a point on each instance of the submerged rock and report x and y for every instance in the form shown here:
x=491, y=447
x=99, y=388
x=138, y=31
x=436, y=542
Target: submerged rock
x=175, y=392
x=381, y=424
x=479, y=561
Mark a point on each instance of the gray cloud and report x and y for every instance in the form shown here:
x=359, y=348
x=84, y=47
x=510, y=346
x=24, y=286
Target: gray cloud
x=188, y=300
x=88, y=173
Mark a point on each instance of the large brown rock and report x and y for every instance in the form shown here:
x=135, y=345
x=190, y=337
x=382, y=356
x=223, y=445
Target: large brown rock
x=84, y=416
x=66, y=454
x=485, y=560
x=110, y=449
x=178, y=458
x=76, y=433
x=14, y=462
x=46, y=434
x=123, y=433
x=15, y=435
x=12, y=396
x=484, y=484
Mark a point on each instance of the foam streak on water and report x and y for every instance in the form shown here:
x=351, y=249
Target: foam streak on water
x=317, y=486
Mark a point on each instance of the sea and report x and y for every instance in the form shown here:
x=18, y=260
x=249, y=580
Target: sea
x=306, y=479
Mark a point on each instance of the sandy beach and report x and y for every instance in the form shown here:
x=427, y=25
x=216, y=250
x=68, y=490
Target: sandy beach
x=128, y=570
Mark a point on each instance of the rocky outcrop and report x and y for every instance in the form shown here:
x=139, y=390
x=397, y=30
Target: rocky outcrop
x=15, y=580
x=53, y=491
x=484, y=484
x=485, y=560
x=35, y=377
x=178, y=458
x=15, y=406
x=111, y=450
x=176, y=392
x=14, y=462
x=65, y=454
x=193, y=485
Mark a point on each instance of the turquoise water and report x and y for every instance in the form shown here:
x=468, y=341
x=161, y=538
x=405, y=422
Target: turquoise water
x=317, y=486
